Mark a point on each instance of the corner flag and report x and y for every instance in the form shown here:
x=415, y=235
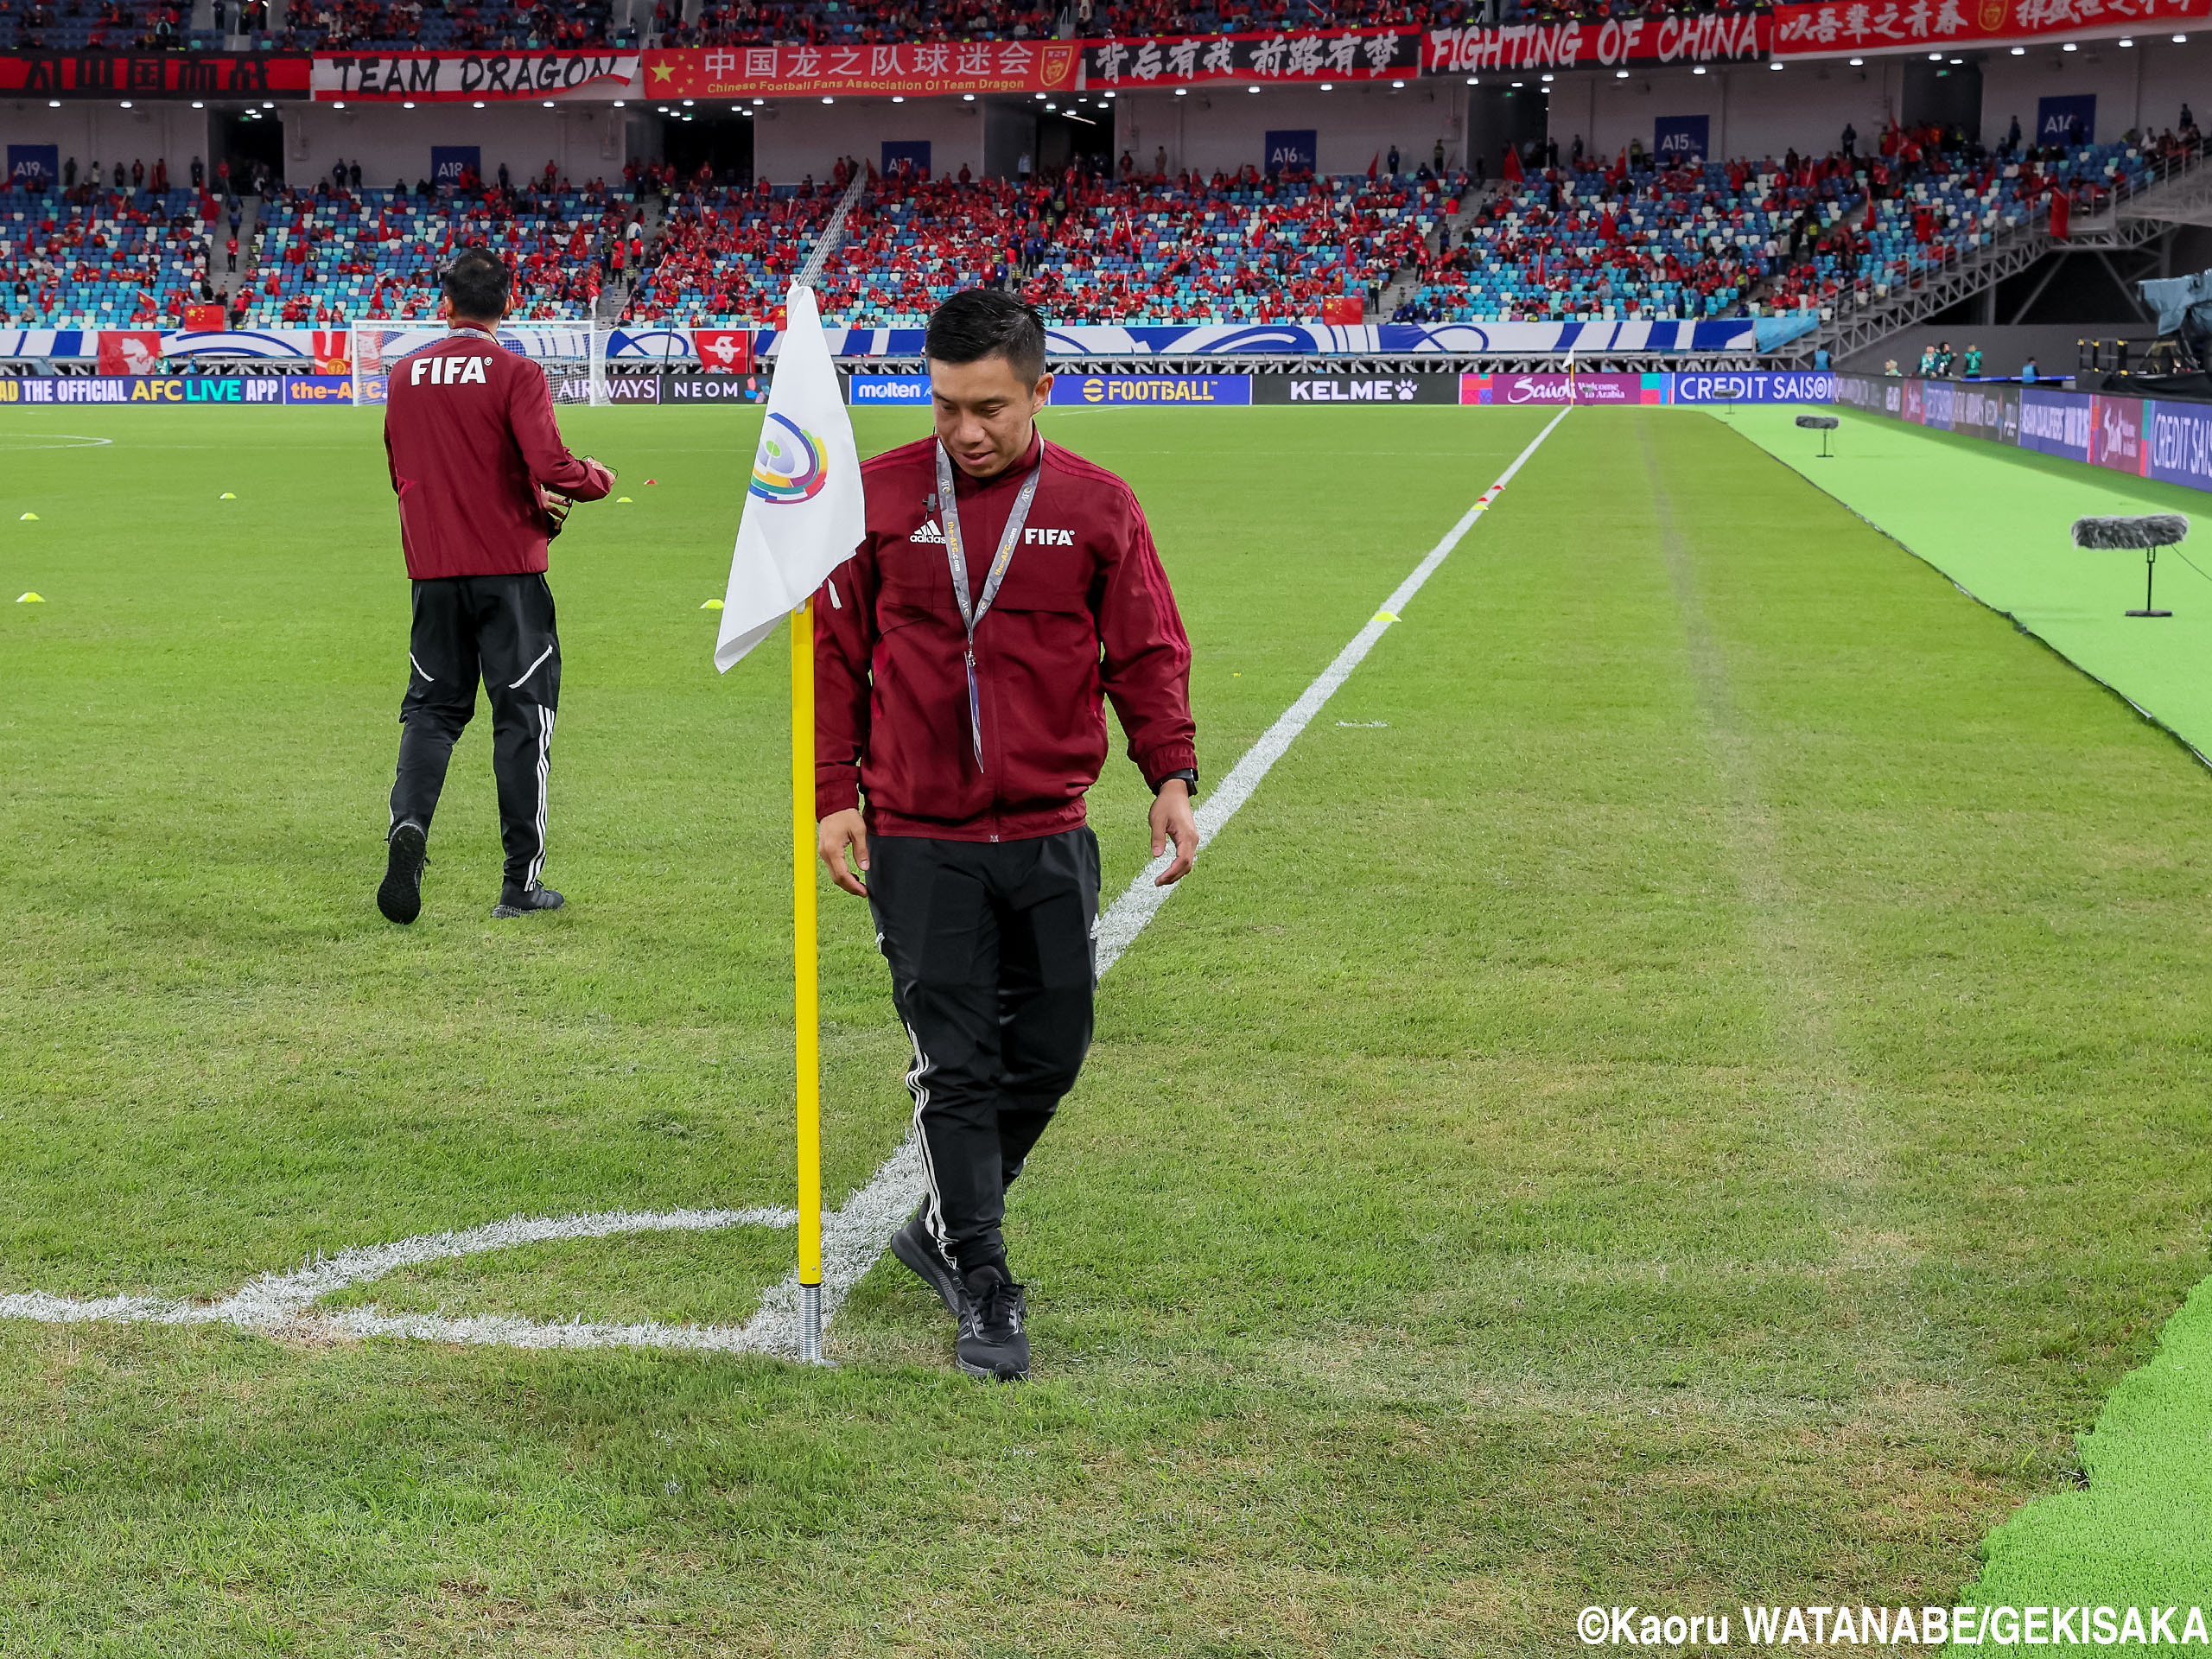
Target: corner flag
x=804, y=514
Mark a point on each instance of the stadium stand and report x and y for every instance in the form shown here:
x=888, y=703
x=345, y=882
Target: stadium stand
x=1183, y=249
x=463, y=26
x=333, y=257
x=102, y=258
x=112, y=25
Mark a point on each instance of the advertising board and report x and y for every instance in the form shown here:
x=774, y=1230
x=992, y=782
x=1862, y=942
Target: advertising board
x=1200, y=390
x=1751, y=386
x=2055, y=423
x=1561, y=388
x=155, y=390
x=887, y=390
x=2178, y=443
x=1354, y=389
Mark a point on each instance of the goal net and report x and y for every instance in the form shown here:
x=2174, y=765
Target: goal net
x=572, y=352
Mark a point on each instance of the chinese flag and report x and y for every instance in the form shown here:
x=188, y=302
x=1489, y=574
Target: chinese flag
x=204, y=319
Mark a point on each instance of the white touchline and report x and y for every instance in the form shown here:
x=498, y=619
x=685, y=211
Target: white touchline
x=853, y=1236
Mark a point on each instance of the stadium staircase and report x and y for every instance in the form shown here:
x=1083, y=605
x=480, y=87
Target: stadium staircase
x=238, y=282
x=2131, y=218
x=1405, y=281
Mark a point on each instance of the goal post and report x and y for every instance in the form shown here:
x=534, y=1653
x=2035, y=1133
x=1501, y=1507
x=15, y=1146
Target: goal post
x=572, y=352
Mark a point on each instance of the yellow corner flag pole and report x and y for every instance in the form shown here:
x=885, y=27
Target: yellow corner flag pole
x=807, y=1002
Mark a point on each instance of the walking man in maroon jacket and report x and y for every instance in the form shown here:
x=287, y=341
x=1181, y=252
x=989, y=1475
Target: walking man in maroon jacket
x=1005, y=589
x=484, y=482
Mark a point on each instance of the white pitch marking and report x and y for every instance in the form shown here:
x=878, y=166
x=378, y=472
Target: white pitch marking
x=853, y=1236
x=10, y=442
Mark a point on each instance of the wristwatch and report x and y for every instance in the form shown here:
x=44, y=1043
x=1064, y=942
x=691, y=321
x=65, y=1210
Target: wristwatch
x=1188, y=774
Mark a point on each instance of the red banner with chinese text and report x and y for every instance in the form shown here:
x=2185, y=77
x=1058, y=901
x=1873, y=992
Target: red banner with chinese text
x=1836, y=25
x=925, y=69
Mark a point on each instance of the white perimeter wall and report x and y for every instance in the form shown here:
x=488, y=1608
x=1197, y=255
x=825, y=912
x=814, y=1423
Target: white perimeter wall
x=1753, y=110
x=1224, y=127
x=2143, y=85
x=585, y=140
x=793, y=138
x=106, y=132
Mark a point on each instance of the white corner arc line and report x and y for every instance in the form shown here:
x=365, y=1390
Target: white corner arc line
x=853, y=1236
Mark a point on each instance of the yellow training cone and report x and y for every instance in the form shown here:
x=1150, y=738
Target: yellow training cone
x=1386, y=616
x=622, y=499
x=228, y=495
x=27, y=519
x=31, y=598
x=712, y=605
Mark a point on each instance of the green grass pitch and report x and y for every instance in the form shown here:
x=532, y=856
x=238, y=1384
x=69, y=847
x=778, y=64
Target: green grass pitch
x=1695, y=1094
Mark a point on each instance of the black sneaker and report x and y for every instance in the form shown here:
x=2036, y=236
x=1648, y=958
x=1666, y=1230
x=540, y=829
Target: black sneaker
x=400, y=898
x=992, y=1343
x=913, y=1245
x=523, y=901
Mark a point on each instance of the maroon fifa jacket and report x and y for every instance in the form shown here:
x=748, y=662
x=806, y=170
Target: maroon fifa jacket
x=468, y=428
x=1083, y=614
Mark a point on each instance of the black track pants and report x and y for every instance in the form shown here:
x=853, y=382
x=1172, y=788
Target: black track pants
x=498, y=629
x=992, y=969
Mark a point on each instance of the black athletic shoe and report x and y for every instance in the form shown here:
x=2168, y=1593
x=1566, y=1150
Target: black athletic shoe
x=524, y=901
x=913, y=1245
x=400, y=898
x=992, y=1343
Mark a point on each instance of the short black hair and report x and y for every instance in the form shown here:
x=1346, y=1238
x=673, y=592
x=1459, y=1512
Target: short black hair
x=476, y=281
x=981, y=322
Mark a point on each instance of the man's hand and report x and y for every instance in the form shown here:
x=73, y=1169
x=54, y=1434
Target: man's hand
x=1172, y=820
x=839, y=831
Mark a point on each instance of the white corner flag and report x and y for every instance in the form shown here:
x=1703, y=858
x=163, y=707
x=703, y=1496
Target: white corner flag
x=804, y=510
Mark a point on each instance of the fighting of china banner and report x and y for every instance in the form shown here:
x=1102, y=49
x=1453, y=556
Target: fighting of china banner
x=1909, y=25
x=926, y=69
x=443, y=77
x=155, y=74
x=1708, y=38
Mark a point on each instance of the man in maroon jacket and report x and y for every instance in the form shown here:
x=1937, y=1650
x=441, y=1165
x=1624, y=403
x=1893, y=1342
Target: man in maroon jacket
x=484, y=482
x=1005, y=589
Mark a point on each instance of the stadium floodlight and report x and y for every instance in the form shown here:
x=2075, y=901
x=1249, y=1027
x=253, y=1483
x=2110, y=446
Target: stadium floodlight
x=1620, y=75
x=52, y=103
x=687, y=102
x=2125, y=40
x=335, y=106
x=1040, y=97
x=620, y=103
x=126, y=103
x=758, y=102
x=1400, y=86
x=1547, y=80
x=965, y=98
x=1698, y=70
x=479, y=103
x=1857, y=63
x=2181, y=40
x=832, y=100
x=896, y=98
x=1520, y=83
x=2069, y=47
x=409, y=105
x=1251, y=89
x=1774, y=66
x=268, y=103
x=1958, y=60
x=1180, y=91
x=1934, y=57
x=548, y=103
x=197, y=104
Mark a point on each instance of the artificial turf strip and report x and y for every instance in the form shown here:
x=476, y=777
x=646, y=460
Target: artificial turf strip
x=1636, y=1114
x=2140, y=1534
x=1994, y=520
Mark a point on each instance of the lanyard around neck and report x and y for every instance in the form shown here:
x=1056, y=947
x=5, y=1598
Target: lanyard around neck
x=955, y=559
x=972, y=612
